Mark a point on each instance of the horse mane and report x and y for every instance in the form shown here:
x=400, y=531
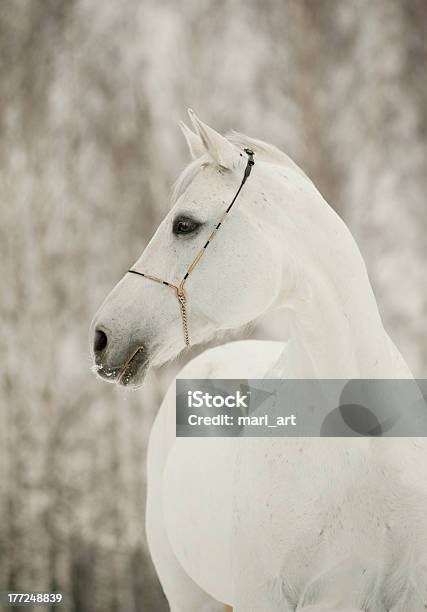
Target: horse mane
x=263, y=151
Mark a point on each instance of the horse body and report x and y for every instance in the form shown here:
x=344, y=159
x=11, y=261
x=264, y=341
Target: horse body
x=172, y=465
x=267, y=524
x=277, y=524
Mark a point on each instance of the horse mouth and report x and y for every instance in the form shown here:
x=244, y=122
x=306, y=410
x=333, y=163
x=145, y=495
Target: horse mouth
x=134, y=370
x=131, y=374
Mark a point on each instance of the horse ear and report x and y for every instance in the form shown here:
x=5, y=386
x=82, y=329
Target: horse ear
x=194, y=141
x=219, y=148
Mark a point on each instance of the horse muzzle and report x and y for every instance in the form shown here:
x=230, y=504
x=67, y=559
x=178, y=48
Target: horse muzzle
x=125, y=367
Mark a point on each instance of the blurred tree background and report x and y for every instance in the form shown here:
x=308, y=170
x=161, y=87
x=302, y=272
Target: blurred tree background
x=90, y=95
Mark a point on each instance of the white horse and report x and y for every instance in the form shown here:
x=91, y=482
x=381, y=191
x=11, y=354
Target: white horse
x=266, y=524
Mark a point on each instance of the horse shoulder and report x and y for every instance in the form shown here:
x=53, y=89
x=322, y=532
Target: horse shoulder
x=198, y=474
x=239, y=359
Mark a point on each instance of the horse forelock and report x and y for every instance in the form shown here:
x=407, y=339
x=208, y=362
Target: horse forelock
x=263, y=152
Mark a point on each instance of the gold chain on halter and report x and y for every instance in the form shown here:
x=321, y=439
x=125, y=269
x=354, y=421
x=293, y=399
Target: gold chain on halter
x=179, y=290
x=183, y=305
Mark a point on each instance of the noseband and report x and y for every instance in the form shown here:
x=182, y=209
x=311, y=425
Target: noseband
x=179, y=289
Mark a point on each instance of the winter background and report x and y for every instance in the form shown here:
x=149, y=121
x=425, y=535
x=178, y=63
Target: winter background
x=90, y=96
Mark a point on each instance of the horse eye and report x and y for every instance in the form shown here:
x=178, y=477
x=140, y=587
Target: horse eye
x=184, y=225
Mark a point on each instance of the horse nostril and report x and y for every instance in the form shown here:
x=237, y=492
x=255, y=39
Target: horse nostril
x=100, y=341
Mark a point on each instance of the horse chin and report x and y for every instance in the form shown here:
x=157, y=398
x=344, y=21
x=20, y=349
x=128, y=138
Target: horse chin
x=162, y=354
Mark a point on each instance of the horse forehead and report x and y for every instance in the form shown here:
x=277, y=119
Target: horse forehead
x=210, y=187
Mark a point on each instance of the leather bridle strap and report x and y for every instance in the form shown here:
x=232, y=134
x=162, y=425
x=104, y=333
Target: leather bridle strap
x=179, y=289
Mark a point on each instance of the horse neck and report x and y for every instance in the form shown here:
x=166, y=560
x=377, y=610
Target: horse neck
x=334, y=327
x=333, y=336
